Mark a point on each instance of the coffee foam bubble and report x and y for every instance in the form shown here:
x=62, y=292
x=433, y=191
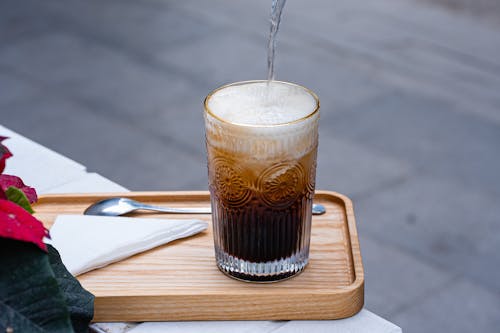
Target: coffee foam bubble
x=262, y=103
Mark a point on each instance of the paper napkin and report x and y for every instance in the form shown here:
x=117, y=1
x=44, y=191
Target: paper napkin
x=89, y=242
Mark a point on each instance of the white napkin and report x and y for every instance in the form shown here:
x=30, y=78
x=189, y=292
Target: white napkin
x=89, y=242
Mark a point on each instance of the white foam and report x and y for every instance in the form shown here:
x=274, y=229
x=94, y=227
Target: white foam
x=260, y=103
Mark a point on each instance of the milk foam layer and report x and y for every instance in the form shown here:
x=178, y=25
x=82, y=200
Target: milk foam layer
x=248, y=122
x=262, y=103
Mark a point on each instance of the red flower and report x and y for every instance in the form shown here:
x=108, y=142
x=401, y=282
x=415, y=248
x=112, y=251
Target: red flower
x=17, y=223
x=4, y=154
x=7, y=181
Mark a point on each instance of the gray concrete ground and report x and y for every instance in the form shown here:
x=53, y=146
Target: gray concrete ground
x=410, y=128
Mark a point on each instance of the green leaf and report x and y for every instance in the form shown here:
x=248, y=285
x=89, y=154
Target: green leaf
x=30, y=298
x=17, y=196
x=79, y=301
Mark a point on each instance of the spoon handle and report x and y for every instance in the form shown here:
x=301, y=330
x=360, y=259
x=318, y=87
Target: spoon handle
x=317, y=209
x=194, y=210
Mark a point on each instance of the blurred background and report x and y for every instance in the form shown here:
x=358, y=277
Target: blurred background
x=410, y=119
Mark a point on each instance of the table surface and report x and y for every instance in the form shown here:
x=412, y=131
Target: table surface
x=50, y=172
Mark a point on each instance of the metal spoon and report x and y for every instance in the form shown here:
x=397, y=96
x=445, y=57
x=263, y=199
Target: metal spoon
x=122, y=206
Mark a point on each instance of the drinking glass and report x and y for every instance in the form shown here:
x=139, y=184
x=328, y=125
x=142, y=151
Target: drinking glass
x=261, y=171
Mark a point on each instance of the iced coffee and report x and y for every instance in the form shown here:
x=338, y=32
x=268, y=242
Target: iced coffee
x=262, y=139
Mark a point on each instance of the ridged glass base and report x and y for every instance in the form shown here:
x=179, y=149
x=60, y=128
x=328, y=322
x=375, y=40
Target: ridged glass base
x=270, y=271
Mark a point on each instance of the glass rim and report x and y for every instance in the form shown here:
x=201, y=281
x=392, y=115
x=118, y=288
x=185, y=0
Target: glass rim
x=240, y=83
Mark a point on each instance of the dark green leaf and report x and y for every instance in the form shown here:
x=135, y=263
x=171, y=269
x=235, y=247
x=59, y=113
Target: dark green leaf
x=30, y=299
x=17, y=196
x=79, y=301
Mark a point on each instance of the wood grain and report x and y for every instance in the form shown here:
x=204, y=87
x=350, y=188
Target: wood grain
x=180, y=280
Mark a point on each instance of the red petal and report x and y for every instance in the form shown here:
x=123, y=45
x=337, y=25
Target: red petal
x=4, y=154
x=17, y=223
x=7, y=181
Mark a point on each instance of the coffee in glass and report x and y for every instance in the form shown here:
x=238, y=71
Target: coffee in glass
x=261, y=139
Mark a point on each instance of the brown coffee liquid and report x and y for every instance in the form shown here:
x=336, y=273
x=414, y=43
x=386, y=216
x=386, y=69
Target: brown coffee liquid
x=265, y=215
x=260, y=234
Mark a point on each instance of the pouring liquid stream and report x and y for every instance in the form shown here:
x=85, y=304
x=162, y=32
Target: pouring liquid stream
x=276, y=10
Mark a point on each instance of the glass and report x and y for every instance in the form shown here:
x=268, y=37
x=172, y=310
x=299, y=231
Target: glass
x=261, y=182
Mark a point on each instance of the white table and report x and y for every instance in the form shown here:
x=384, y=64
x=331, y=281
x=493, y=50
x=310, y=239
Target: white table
x=50, y=172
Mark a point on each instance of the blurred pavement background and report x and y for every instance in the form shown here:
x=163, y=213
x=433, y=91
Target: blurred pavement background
x=410, y=94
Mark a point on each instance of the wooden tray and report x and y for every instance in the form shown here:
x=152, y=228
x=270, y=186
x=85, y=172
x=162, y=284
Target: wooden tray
x=180, y=281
